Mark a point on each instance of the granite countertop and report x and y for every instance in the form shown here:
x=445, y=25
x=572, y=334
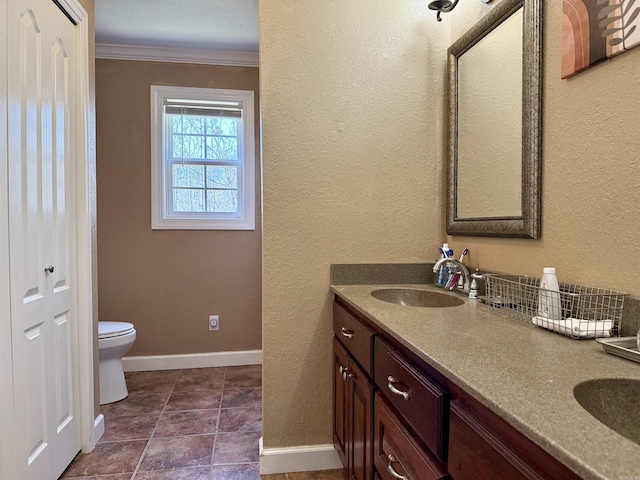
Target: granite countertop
x=523, y=373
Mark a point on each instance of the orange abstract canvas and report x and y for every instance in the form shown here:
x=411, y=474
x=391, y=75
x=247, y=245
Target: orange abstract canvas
x=594, y=30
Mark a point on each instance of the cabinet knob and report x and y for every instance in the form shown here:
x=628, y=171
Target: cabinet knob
x=344, y=371
x=392, y=459
x=390, y=381
x=49, y=269
x=346, y=333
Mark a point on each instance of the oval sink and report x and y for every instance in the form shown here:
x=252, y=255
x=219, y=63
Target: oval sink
x=614, y=402
x=416, y=298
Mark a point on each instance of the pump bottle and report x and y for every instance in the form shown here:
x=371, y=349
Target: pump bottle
x=549, y=305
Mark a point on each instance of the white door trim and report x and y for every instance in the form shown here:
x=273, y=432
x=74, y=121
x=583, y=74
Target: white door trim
x=84, y=186
x=8, y=467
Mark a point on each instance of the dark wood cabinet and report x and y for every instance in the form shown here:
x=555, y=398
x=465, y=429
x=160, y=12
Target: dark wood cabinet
x=418, y=399
x=396, y=454
x=355, y=336
x=477, y=453
x=395, y=417
x=341, y=401
x=484, y=446
x=361, y=395
x=353, y=397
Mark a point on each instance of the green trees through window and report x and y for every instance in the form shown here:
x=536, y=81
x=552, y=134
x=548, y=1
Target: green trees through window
x=204, y=158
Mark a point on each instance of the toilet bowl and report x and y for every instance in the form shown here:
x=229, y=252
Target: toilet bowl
x=114, y=340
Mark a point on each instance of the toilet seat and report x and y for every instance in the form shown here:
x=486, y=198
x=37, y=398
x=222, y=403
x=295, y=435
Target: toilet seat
x=114, y=329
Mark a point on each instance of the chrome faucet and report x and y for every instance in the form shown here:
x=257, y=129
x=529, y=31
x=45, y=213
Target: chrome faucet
x=461, y=268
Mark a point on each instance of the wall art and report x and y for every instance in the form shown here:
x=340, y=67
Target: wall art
x=595, y=30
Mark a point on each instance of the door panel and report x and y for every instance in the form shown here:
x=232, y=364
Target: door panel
x=27, y=178
x=61, y=47
x=62, y=365
x=35, y=388
x=62, y=159
x=42, y=233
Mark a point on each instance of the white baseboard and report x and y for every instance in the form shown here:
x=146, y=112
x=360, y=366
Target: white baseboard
x=298, y=459
x=192, y=360
x=98, y=429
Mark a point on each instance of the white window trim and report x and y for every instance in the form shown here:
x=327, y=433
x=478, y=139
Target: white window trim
x=160, y=220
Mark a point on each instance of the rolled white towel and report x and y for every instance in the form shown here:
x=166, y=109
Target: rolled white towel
x=554, y=325
x=576, y=327
x=591, y=328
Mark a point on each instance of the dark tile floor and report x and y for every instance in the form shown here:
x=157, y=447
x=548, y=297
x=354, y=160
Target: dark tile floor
x=195, y=424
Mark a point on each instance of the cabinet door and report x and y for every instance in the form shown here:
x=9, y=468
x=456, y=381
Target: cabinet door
x=474, y=452
x=361, y=398
x=340, y=400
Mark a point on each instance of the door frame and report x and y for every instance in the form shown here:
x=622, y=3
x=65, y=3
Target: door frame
x=7, y=445
x=85, y=220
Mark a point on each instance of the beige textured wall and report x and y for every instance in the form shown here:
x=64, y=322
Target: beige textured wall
x=352, y=138
x=591, y=184
x=167, y=282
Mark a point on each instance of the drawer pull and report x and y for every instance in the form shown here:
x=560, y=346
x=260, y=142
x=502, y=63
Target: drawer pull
x=390, y=381
x=344, y=371
x=390, y=469
x=346, y=333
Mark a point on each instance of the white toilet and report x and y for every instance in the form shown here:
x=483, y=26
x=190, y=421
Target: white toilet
x=114, y=340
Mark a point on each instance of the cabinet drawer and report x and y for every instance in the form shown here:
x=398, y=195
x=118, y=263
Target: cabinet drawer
x=474, y=452
x=395, y=452
x=355, y=335
x=422, y=402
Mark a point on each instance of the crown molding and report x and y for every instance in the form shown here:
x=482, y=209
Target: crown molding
x=176, y=55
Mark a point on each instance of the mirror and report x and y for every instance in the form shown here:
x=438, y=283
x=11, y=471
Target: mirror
x=494, y=167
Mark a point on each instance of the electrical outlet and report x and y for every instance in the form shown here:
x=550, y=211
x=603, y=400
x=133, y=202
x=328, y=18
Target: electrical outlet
x=213, y=322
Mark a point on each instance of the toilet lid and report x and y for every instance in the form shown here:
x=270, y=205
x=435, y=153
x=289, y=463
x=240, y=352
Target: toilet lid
x=114, y=329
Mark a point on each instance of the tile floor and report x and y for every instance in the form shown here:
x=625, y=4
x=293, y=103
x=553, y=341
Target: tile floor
x=195, y=424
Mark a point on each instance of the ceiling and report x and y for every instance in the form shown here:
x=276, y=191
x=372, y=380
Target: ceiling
x=225, y=25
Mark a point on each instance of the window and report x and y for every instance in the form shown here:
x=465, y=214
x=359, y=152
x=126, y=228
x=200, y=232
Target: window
x=202, y=159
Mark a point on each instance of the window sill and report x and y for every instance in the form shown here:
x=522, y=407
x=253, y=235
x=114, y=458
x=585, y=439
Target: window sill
x=200, y=224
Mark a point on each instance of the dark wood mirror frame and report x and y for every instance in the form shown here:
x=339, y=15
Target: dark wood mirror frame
x=529, y=224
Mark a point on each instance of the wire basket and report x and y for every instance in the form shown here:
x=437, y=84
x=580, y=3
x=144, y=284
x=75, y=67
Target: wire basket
x=575, y=311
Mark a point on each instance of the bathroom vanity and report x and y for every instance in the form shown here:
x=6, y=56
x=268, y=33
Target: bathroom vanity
x=463, y=393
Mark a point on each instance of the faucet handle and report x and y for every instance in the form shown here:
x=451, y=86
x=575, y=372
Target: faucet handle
x=473, y=289
x=477, y=275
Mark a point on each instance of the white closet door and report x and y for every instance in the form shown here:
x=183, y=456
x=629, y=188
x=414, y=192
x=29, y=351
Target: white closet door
x=42, y=237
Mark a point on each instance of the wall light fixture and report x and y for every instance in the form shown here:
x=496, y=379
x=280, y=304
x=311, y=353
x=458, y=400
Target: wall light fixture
x=445, y=6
